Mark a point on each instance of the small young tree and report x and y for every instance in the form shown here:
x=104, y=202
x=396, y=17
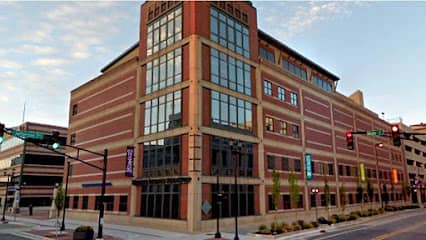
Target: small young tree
x=342, y=195
x=360, y=194
x=327, y=196
x=294, y=191
x=406, y=191
x=370, y=192
x=59, y=200
x=276, y=187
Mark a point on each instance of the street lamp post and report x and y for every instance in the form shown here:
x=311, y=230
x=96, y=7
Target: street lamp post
x=236, y=151
x=218, y=203
x=380, y=145
x=315, y=192
x=3, y=219
x=66, y=192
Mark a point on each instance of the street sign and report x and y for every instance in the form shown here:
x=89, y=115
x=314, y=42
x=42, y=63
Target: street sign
x=377, y=132
x=28, y=134
x=206, y=207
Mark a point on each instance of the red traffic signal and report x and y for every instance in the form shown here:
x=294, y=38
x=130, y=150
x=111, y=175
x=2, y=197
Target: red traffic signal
x=396, y=138
x=350, y=140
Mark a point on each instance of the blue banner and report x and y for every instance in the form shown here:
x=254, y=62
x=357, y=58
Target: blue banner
x=130, y=155
x=308, y=166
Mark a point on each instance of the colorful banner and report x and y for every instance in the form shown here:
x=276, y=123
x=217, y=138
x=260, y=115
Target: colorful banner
x=362, y=172
x=308, y=166
x=130, y=155
x=395, y=176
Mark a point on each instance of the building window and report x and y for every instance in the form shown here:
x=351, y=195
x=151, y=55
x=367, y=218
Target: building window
x=67, y=202
x=163, y=113
x=228, y=111
x=297, y=165
x=75, y=202
x=323, y=202
x=296, y=70
x=162, y=157
x=300, y=203
x=164, y=71
x=330, y=169
x=271, y=162
x=313, y=167
x=285, y=164
x=332, y=199
x=283, y=128
x=164, y=32
x=122, y=207
x=271, y=205
x=246, y=197
x=229, y=32
x=267, y=88
x=266, y=54
x=286, y=200
x=348, y=170
x=322, y=83
x=295, y=129
x=73, y=139
x=160, y=201
x=313, y=200
x=321, y=168
x=281, y=94
x=85, y=203
x=97, y=202
x=109, y=202
x=230, y=72
x=222, y=161
x=74, y=109
x=350, y=198
x=293, y=98
x=340, y=170
x=269, y=124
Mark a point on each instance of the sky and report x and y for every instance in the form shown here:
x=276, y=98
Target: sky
x=48, y=49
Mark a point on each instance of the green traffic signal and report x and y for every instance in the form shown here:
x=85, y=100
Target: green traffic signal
x=56, y=145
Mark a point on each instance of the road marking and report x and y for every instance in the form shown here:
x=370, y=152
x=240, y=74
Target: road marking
x=400, y=231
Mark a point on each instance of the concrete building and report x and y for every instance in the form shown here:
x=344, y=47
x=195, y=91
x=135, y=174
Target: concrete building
x=203, y=75
x=415, y=158
x=35, y=169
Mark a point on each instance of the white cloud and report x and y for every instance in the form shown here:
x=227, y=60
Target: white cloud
x=10, y=64
x=303, y=16
x=50, y=62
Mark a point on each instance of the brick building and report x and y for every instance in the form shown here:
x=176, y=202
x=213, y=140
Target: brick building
x=201, y=75
x=36, y=170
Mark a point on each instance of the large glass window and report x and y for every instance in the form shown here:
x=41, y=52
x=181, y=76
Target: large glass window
x=122, y=207
x=266, y=54
x=322, y=83
x=163, y=113
x=269, y=124
x=295, y=130
x=285, y=166
x=230, y=72
x=164, y=31
x=231, y=112
x=229, y=200
x=222, y=161
x=160, y=201
x=162, y=157
x=267, y=87
x=297, y=165
x=283, y=128
x=271, y=161
x=229, y=32
x=296, y=70
x=164, y=71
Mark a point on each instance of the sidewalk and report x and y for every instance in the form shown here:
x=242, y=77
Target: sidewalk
x=44, y=228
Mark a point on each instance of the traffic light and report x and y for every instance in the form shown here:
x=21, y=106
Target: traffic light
x=396, y=138
x=55, y=140
x=1, y=133
x=350, y=140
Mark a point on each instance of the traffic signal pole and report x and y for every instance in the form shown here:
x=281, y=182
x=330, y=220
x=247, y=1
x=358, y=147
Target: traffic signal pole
x=102, y=206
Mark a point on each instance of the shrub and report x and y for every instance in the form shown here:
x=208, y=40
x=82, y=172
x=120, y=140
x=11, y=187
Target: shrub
x=353, y=216
x=296, y=227
x=285, y=227
x=275, y=228
x=300, y=222
x=307, y=225
x=315, y=224
x=343, y=217
x=83, y=229
x=331, y=221
x=262, y=227
x=381, y=210
x=322, y=220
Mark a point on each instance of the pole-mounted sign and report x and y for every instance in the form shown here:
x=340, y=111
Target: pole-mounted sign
x=130, y=155
x=308, y=166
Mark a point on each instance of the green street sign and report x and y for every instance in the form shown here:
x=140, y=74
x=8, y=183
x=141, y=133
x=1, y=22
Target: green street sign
x=27, y=134
x=378, y=132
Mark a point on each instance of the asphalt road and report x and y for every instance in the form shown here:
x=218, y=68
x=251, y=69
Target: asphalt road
x=405, y=225
x=6, y=229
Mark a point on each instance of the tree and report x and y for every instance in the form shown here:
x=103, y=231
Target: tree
x=276, y=187
x=360, y=194
x=294, y=190
x=342, y=195
x=59, y=200
x=370, y=192
x=406, y=191
x=327, y=196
